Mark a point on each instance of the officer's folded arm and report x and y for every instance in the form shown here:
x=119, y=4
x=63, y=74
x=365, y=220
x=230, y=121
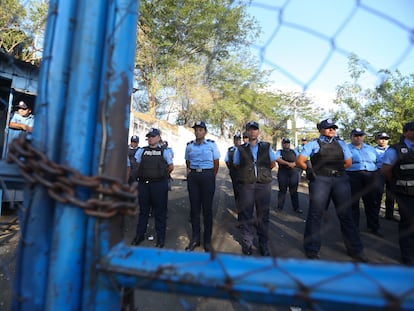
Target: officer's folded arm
x=301, y=162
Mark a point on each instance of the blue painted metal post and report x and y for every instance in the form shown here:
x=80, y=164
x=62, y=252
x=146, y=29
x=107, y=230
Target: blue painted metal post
x=37, y=224
x=81, y=121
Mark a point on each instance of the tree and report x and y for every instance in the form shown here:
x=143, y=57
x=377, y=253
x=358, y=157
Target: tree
x=21, y=29
x=351, y=97
x=385, y=108
x=392, y=104
x=173, y=34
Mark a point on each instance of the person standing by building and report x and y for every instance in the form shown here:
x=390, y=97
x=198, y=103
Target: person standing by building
x=255, y=160
x=382, y=140
x=133, y=166
x=398, y=169
x=287, y=176
x=21, y=121
x=155, y=164
x=362, y=177
x=202, y=160
x=329, y=157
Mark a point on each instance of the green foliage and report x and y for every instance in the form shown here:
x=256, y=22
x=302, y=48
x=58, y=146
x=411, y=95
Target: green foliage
x=20, y=26
x=173, y=35
x=386, y=108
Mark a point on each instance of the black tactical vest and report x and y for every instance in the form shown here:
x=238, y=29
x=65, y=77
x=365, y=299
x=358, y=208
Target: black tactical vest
x=153, y=166
x=329, y=158
x=289, y=156
x=248, y=167
x=403, y=170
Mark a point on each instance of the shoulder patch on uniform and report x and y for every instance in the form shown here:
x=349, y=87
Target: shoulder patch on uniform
x=210, y=140
x=190, y=142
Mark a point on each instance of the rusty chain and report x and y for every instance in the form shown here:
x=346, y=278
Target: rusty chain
x=107, y=195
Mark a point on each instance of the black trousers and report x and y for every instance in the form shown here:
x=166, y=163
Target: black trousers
x=363, y=185
x=406, y=226
x=153, y=194
x=201, y=188
x=288, y=179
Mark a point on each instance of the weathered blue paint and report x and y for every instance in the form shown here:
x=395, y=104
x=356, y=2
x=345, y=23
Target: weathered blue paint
x=68, y=261
x=86, y=73
x=317, y=285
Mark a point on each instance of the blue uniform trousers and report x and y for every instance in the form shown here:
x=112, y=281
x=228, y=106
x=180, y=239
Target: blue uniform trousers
x=321, y=190
x=201, y=188
x=251, y=196
x=406, y=226
x=288, y=178
x=389, y=196
x=364, y=185
x=153, y=194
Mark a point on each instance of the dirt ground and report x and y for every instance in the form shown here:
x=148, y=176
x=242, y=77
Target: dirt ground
x=286, y=236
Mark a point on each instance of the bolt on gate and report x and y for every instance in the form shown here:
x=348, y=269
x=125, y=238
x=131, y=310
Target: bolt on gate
x=71, y=253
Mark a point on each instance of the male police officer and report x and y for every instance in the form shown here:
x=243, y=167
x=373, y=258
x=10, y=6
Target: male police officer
x=255, y=160
x=382, y=140
x=202, y=160
x=155, y=164
x=398, y=169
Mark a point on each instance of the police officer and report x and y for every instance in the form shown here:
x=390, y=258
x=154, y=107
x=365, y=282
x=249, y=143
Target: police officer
x=228, y=159
x=155, y=164
x=202, y=160
x=363, y=177
x=255, y=160
x=132, y=149
x=245, y=138
x=287, y=176
x=398, y=169
x=299, y=148
x=382, y=140
x=329, y=157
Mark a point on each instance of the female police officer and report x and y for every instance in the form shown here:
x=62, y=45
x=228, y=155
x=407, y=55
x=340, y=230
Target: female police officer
x=155, y=164
x=202, y=161
x=329, y=157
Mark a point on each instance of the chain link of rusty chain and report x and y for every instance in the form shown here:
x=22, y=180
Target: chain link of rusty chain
x=108, y=195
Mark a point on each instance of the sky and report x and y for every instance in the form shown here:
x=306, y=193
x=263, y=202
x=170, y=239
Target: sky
x=307, y=42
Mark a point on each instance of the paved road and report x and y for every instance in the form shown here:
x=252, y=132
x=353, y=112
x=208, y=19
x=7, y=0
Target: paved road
x=286, y=234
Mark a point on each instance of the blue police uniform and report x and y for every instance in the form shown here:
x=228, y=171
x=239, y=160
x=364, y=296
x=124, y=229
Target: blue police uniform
x=363, y=180
x=153, y=190
x=382, y=183
x=201, y=182
x=255, y=179
x=288, y=178
x=329, y=181
x=401, y=157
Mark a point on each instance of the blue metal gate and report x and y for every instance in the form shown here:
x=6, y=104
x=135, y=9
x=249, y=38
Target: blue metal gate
x=71, y=254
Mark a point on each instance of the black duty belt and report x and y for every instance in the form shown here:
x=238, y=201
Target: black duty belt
x=331, y=173
x=200, y=170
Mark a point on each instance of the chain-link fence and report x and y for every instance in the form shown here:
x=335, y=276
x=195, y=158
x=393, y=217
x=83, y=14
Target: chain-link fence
x=179, y=280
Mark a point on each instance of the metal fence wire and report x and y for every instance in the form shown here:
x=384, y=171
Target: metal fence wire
x=55, y=256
